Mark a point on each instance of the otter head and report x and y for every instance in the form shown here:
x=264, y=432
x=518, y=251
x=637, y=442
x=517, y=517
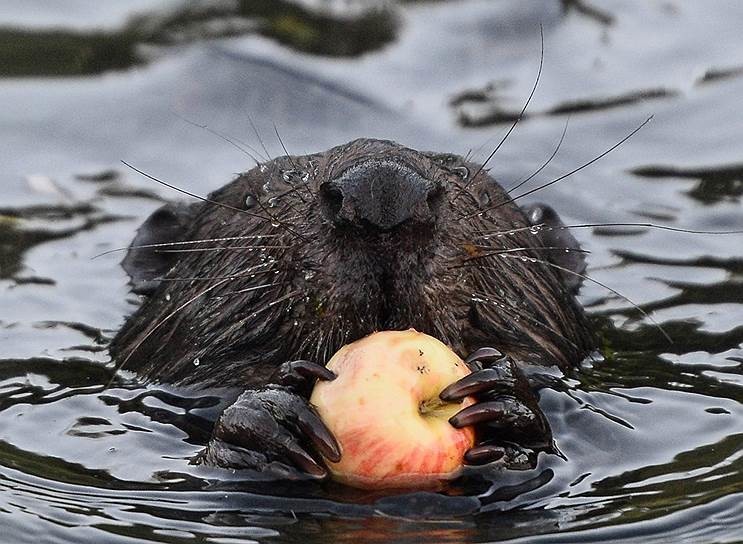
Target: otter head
x=304, y=254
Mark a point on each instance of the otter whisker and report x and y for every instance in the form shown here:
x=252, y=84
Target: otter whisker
x=484, y=299
x=585, y=165
x=545, y=163
x=515, y=249
x=162, y=322
x=564, y=176
x=473, y=154
x=281, y=142
x=515, y=122
x=187, y=242
x=601, y=284
x=242, y=274
x=254, y=288
x=653, y=226
x=272, y=220
x=487, y=235
x=543, y=226
x=234, y=142
x=258, y=135
x=219, y=248
x=288, y=296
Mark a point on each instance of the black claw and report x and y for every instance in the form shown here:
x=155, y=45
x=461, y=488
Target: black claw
x=322, y=439
x=304, y=461
x=481, y=455
x=310, y=369
x=479, y=382
x=502, y=412
x=300, y=375
x=483, y=354
x=477, y=413
x=281, y=471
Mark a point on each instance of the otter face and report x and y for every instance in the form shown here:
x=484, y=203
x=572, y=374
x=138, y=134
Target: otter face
x=330, y=247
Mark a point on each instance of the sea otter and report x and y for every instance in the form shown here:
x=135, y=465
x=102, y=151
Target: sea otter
x=256, y=286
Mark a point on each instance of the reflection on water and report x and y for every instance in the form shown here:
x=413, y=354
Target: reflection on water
x=651, y=435
x=713, y=184
x=323, y=31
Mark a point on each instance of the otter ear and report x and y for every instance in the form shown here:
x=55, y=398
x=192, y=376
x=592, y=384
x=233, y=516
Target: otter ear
x=146, y=266
x=556, y=235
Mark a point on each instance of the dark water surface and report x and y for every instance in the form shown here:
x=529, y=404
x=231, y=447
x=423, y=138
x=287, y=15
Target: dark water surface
x=652, y=435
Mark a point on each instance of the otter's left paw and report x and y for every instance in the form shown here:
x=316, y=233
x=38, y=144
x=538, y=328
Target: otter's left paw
x=271, y=430
x=510, y=426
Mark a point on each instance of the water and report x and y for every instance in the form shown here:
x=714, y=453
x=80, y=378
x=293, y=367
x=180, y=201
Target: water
x=652, y=436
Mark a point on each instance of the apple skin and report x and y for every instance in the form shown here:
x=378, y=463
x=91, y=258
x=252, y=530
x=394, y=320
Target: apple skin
x=384, y=410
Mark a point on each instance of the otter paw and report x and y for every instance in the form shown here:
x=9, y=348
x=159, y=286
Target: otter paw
x=510, y=425
x=271, y=430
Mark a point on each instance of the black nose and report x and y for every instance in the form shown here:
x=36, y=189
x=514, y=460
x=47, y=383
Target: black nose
x=381, y=194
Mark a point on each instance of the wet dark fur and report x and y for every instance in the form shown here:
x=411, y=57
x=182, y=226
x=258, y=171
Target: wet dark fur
x=337, y=285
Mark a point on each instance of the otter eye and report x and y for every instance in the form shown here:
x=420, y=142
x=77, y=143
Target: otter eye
x=250, y=201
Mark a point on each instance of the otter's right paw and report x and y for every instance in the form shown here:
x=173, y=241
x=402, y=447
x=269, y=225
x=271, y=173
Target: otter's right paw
x=271, y=430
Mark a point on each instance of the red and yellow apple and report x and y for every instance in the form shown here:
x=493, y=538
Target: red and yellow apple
x=384, y=410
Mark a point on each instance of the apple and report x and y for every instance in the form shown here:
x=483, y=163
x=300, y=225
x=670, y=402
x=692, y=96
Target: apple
x=384, y=410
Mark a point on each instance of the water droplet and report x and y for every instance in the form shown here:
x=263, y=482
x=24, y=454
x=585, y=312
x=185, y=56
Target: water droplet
x=167, y=296
x=250, y=201
x=275, y=223
x=461, y=171
x=196, y=362
x=534, y=229
x=273, y=201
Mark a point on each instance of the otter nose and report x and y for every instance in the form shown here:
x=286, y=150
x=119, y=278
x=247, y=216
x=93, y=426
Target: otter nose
x=381, y=195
